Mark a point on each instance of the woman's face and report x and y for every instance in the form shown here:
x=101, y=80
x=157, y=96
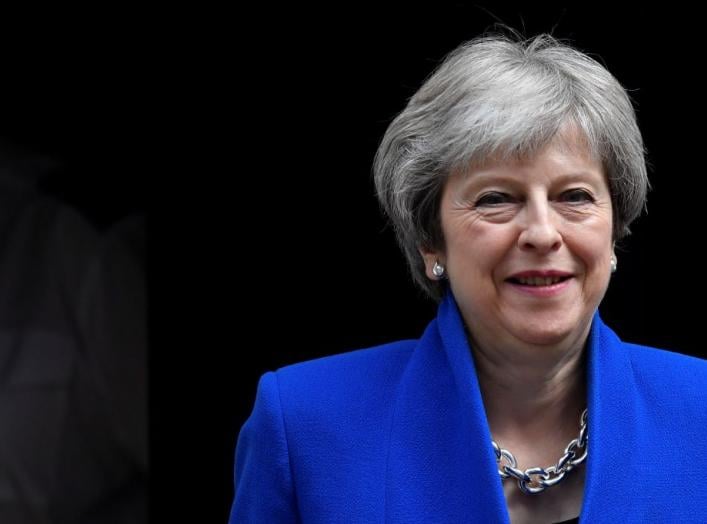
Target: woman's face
x=528, y=245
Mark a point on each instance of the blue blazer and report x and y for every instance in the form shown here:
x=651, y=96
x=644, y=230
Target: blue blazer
x=398, y=434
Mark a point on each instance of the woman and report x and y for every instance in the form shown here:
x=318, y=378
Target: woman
x=509, y=177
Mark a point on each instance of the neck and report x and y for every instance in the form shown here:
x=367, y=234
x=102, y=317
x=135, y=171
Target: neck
x=531, y=389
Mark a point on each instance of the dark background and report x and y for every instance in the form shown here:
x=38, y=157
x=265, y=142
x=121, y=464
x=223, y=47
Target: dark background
x=253, y=134
x=303, y=265
x=76, y=123
x=74, y=102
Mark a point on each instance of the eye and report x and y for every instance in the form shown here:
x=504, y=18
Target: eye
x=577, y=196
x=493, y=198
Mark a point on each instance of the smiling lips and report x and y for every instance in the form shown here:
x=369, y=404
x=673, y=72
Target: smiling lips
x=541, y=283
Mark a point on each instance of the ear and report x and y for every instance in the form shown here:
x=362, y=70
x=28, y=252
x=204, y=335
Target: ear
x=430, y=257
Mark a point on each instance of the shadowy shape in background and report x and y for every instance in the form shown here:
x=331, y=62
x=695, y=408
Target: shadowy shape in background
x=73, y=357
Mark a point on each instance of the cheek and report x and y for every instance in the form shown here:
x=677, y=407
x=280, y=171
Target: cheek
x=594, y=250
x=477, y=254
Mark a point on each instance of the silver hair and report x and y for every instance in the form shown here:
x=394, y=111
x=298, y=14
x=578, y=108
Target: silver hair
x=503, y=97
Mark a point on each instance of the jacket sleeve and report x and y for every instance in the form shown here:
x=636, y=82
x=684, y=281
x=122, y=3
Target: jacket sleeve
x=263, y=478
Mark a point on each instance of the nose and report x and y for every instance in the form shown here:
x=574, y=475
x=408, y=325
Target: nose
x=539, y=231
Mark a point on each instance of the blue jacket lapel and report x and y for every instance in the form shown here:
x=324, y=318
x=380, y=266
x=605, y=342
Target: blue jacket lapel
x=441, y=467
x=613, y=473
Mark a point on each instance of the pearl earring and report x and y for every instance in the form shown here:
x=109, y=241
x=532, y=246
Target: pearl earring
x=614, y=263
x=438, y=270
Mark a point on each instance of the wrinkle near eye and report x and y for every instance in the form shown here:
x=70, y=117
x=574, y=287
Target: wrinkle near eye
x=498, y=214
x=576, y=211
x=462, y=212
x=463, y=208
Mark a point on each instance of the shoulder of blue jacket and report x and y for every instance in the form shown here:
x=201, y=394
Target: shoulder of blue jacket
x=672, y=377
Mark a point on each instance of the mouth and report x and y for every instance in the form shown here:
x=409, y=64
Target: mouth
x=538, y=281
x=541, y=286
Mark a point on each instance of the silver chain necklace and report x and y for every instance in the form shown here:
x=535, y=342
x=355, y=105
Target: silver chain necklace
x=544, y=477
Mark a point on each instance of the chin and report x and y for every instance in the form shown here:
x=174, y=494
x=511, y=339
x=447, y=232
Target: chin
x=546, y=334
x=543, y=339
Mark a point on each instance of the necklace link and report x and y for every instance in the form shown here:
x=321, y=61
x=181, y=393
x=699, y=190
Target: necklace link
x=535, y=480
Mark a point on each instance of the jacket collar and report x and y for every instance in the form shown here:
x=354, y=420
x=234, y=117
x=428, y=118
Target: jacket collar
x=441, y=466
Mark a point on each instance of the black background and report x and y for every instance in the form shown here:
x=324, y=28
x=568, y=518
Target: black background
x=253, y=134
x=74, y=92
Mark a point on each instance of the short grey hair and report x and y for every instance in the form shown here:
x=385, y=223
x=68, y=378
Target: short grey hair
x=499, y=95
